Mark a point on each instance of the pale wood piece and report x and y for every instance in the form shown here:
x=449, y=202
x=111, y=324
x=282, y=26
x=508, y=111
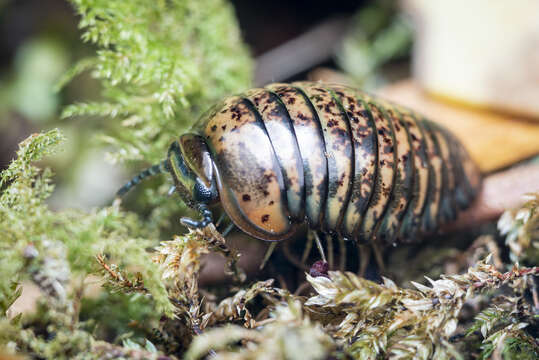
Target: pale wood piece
x=493, y=140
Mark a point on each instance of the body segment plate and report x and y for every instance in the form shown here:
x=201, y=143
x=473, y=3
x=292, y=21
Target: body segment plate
x=247, y=170
x=411, y=219
x=365, y=157
x=430, y=214
x=448, y=207
x=402, y=192
x=386, y=169
x=282, y=136
x=311, y=147
x=338, y=151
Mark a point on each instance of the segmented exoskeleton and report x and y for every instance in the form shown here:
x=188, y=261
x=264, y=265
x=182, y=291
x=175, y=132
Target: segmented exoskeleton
x=347, y=162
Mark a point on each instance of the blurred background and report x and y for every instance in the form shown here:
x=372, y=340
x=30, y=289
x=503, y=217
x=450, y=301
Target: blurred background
x=476, y=55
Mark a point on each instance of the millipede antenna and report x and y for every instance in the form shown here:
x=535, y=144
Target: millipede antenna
x=151, y=171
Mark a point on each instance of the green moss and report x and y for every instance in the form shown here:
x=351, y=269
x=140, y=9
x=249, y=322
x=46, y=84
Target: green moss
x=160, y=63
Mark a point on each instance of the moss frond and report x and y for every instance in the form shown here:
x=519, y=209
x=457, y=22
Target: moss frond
x=162, y=63
x=521, y=227
x=383, y=319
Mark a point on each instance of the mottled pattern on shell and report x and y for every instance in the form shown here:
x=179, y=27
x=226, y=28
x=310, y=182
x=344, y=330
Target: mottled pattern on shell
x=347, y=162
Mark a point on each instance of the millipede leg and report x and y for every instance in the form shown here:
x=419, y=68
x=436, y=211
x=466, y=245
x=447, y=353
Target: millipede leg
x=331, y=251
x=302, y=287
x=198, y=224
x=270, y=250
x=293, y=259
x=228, y=229
x=378, y=257
x=307, y=249
x=342, y=254
x=319, y=245
x=221, y=218
x=364, y=252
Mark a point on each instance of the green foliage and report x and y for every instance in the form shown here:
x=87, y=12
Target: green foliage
x=503, y=329
x=510, y=343
x=160, y=63
x=112, y=314
x=23, y=215
x=378, y=34
x=49, y=248
x=521, y=227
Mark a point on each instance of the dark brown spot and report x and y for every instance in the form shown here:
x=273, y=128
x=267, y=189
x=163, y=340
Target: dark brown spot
x=223, y=127
x=332, y=123
x=214, y=127
x=246, y=197
x=302, y=116
x=265, y=218
x=271, y=202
